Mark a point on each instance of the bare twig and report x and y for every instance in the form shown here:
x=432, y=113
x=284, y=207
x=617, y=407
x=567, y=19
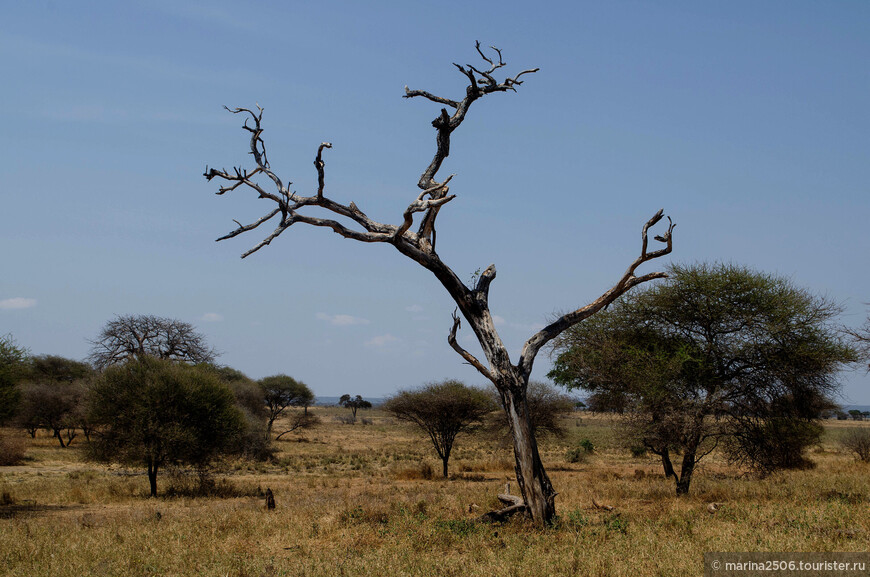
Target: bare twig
x=319, y=164
x=480, y=83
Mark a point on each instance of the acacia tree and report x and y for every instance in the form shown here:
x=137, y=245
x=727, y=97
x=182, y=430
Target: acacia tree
x=715, y=353
x=861, y=339
x=255, y=442
x=136, y=336
x=472, y=302
x=13, y=363
x=282, y=391
x=154, y=412
x=354, y=404
x=51, y=406
x=443, y=411
x=54, y=394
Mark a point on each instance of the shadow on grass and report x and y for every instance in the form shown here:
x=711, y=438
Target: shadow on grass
x=32, y=509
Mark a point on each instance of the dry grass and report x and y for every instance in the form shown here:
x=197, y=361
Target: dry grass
x=354, y=500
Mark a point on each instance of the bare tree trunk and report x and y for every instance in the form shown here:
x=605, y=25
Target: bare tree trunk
x=152, y=477
x=535, y=486
x=667, y=465
x=686, y=470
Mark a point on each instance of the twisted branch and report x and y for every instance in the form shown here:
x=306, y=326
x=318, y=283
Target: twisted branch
x=288, y=203
x=480, y=83
x=628, y=280
x=469, y=358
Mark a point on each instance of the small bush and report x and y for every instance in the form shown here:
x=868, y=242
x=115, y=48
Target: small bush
x=423, y=471
x=616, y=525
x=577, y=455
x=638, y=450
x=857, y=441
x=587, y=446
x=366, y=421
x=201, y=484
x=12, y=451
x=426, y=471
x=774, y=444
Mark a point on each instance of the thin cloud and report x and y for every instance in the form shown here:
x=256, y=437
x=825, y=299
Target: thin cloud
x=342, y=320
x=17, y=303
x=212, y=317
x=381, y=341
x=414, y=309
x=497, y=320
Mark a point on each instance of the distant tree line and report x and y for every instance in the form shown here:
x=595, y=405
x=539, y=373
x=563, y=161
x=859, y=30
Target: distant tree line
x=153, y=397
x=715, y=357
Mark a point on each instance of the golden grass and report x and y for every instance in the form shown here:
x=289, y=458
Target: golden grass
x=352, y=501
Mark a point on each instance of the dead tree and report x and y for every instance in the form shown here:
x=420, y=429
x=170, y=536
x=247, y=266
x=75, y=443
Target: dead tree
x=510, y=378
x=137, y=336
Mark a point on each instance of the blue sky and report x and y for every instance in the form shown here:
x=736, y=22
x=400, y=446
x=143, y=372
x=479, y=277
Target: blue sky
x=747, y=122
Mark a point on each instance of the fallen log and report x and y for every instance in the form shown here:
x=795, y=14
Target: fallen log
x=515, y=504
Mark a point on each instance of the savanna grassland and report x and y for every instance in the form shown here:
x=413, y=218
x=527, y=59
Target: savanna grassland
x=362, y=500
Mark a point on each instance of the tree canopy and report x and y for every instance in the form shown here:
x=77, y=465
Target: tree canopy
x=54, y=390
x=137, y=336
x=354, y=403
x=282, y=391
x=861, y=339
x=716, y=352
x=443, y=411
x=12, y=369
x=155, y=412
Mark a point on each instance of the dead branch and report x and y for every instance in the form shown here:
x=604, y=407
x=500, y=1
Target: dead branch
x=515, y=505
x=601, y=506
x=626, y=282
x=469, y=358
x=288, y=203
x=480, y=83
x=300, y=421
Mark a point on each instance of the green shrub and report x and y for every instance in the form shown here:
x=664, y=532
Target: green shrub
x=158, y=413
x=577, y=455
